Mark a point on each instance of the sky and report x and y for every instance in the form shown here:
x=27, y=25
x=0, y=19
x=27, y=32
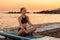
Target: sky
x=29, y=4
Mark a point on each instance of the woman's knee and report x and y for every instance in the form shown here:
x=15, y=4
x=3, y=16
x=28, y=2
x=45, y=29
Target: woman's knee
x=33, y=27
x=27, y=32
x=20, y=32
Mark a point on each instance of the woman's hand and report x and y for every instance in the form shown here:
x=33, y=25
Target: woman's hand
x=24, y=30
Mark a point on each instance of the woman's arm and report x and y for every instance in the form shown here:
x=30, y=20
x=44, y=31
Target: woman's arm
x=20, y=24
x=29, y=21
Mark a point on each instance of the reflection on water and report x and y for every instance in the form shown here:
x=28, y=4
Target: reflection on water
x=10, y=20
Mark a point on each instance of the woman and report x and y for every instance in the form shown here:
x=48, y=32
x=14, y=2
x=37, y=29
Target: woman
x=23, y=20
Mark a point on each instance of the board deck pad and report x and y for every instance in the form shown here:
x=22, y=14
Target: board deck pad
x=13, y=33
x=27, y=36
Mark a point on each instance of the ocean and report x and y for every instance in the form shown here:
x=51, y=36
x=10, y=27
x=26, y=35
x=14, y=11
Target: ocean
x=11, y=20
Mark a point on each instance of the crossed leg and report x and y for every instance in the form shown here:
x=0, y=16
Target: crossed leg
x=32, y=29
x=29, y=31
x=21, y=32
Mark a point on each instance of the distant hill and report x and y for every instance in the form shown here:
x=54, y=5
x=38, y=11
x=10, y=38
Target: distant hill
x=55, y=11
x=11, y=12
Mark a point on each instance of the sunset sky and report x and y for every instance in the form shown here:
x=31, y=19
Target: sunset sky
x=29, y=4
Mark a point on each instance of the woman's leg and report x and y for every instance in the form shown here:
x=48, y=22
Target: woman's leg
x=32, y=29
x=21, y=32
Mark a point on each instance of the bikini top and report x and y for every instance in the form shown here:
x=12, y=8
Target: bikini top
x=24, y=20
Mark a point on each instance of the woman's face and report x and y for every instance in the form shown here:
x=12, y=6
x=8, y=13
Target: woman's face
x=23, y=11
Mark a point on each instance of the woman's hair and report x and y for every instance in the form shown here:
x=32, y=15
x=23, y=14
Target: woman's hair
x=22, y=9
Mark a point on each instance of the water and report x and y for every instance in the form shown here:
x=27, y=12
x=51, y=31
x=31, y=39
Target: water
x=11, y=20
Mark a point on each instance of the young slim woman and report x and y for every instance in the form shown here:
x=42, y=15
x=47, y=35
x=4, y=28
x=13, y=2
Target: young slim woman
x=23, y=20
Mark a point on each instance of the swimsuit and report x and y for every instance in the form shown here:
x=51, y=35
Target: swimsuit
x=20, y=29
x=24, y=20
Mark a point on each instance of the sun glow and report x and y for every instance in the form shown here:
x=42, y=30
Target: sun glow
x=29, y=4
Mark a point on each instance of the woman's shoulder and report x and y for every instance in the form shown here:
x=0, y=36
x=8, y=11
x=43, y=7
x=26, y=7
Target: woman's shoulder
x=20, y=17
x=27, y=16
